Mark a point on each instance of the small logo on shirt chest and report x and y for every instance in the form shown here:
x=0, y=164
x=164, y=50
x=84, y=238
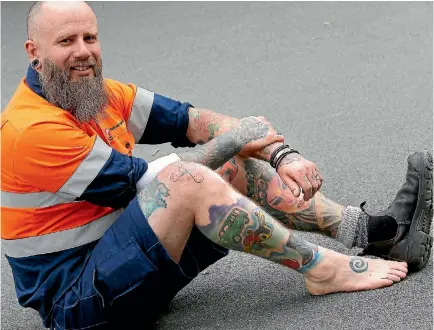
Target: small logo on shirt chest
x=108, y=131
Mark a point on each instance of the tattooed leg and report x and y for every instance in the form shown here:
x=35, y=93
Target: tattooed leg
x=174, y=203
x=259, y=181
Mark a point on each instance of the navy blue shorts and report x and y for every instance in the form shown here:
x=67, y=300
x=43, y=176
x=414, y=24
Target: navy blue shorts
x=129, y=278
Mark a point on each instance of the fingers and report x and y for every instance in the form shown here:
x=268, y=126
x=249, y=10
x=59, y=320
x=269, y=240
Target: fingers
x=316, y=180
x=292, y=185
x=306, y=185
x=272, y=137
x=310, y=182
x=272, y=130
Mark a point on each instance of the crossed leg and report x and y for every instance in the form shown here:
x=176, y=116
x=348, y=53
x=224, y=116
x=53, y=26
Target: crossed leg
x=258, y=181
x=184, y=195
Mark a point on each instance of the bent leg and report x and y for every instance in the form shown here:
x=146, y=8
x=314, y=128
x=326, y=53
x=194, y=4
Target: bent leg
x=259, y=181
x=187, y=195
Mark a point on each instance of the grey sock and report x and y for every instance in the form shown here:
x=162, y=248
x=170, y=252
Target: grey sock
x=353, y=230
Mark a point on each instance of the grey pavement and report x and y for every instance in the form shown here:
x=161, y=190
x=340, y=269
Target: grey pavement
x=350, y=85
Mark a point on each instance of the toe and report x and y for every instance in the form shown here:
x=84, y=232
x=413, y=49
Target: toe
x=393, y=277
x=402, y=266
x=399, y=273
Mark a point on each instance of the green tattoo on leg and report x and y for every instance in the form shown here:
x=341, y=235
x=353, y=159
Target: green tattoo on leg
x=244, y=227
x=152, y=197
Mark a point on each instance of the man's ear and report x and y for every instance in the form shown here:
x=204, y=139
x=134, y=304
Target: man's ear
x=30, y=47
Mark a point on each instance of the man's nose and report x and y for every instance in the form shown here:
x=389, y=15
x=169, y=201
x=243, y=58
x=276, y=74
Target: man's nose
x=82, y=51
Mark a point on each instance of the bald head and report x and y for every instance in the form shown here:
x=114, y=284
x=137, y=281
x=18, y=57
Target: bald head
x=63, y=47
x=35, y=17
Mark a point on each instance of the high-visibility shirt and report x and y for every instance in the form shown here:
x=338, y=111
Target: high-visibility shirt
x=63, y=183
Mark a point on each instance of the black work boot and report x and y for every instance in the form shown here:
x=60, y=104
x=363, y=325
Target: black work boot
x=404, y=226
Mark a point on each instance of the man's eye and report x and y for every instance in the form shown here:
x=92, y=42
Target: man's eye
x=65, y=41
x=90, y=38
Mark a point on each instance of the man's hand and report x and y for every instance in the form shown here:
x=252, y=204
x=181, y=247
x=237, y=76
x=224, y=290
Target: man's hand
x=296, y=171
x=260, y=133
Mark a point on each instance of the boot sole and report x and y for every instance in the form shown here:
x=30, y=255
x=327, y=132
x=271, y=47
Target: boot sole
x=417, y=245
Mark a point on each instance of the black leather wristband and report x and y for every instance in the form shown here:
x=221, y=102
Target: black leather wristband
x=275, y=152
x=286, y=153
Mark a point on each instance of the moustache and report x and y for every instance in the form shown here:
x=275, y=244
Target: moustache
x=89, y=63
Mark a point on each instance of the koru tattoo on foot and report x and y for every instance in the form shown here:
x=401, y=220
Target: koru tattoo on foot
x=181, y=171
x=358, y=265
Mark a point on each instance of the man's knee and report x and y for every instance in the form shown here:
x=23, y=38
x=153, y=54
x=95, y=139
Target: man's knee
x=190, y=177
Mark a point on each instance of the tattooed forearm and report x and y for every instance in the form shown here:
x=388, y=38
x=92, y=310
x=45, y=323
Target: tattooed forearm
x=245, y=228
x=205, y=125
x=218, y=151
x=265, y=153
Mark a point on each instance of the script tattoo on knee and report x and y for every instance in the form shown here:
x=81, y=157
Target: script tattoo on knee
x=182, y=170
x=153, y=197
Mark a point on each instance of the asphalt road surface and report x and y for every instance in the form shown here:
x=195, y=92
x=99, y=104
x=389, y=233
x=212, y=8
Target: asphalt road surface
x=349, y=84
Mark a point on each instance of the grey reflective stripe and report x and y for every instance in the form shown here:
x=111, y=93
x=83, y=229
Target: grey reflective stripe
x=60, y=241
x=86, y=171
x=31, y=200
x=140, y=112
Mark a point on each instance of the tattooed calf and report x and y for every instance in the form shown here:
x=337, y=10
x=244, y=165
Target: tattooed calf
x=305, y=249
x=254, y=239
x=232, y=228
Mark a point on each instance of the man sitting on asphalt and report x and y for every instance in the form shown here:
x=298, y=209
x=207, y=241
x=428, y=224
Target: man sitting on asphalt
x=97, y=238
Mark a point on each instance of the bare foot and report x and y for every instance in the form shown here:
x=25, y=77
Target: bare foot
x=337, y=272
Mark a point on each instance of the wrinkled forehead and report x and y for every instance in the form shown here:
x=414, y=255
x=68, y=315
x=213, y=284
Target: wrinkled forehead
x=58, y=22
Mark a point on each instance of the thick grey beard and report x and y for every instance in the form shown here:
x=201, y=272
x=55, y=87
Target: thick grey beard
x=85, y=99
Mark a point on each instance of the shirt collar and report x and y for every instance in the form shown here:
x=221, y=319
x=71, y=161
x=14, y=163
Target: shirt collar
x=32, y=80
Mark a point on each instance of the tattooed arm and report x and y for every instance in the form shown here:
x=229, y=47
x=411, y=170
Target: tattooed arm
x=252, y=133
x=204, y=125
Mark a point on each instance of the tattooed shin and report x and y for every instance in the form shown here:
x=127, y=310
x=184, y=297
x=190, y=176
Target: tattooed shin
x=242, y=227
x=264, y=186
